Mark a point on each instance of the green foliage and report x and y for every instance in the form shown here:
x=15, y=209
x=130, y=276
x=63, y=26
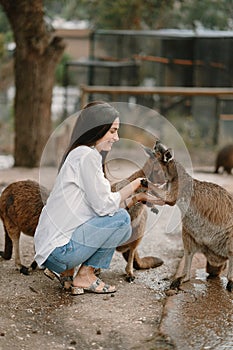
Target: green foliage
x=53, y=7
x=4, y=23
x=59, y=73
x=2, y=48
x=119, y=14
x=211, y=14
x=140, y=14
x=150, y=14
x=6, y=35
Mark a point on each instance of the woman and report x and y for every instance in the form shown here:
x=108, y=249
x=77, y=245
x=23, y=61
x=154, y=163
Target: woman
x=83, y=221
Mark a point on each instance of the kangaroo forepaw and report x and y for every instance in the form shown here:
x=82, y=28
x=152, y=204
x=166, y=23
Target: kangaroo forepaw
x=176, y=283
x=230, y=286
x=155, y=210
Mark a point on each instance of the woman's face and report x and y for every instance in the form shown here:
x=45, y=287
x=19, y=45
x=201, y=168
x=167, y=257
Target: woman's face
x=106, y=142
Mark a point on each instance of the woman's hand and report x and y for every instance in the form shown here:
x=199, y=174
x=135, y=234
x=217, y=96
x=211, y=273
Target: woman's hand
x=140, y=182
x=128, y=198
x=137, y=183
x=149, y=198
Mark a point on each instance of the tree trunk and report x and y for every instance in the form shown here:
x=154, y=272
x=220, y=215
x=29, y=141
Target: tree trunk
x=37, y=54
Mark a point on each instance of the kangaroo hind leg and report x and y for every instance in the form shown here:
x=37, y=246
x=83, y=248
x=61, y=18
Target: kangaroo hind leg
x=7, y=253
x=13, y=232
x=185, y=275
x=129, y=267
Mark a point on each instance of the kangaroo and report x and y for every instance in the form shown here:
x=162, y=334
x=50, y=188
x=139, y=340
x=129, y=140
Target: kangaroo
x=207, y=216
x=138, y=213
x=224, y=159
x=20, y=206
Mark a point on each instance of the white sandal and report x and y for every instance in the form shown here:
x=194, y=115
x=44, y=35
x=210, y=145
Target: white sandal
x=93, y=288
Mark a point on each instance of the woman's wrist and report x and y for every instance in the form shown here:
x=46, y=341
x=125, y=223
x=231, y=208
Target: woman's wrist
x=129, y=202
x=135, y=199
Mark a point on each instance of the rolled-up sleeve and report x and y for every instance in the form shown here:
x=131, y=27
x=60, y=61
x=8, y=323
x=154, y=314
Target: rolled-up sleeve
x=96, y=187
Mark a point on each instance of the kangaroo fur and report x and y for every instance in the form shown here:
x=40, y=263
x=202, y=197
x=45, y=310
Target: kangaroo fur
x=207, y=216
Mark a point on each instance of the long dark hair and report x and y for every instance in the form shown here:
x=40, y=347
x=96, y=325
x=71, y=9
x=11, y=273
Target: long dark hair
x=92, y=124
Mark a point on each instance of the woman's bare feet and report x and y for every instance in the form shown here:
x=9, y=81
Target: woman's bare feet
x=86, y=280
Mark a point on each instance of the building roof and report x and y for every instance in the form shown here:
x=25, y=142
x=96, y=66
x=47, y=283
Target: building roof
x=170, y=33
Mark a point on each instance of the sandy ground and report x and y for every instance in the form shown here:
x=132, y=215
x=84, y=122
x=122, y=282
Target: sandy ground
x=37, y=314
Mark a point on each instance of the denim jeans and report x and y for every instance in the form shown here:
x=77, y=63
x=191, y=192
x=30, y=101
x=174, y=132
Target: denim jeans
x=93, y=243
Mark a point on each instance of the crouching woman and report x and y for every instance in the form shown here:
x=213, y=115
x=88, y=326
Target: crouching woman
x=83, y=221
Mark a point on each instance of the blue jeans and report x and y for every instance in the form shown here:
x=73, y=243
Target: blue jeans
x=93, y=243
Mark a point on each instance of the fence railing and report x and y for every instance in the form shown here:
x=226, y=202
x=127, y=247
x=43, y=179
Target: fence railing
x=115, y=91
x=218, y=93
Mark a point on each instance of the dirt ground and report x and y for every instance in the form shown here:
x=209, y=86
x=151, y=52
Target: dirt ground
x=36, y=313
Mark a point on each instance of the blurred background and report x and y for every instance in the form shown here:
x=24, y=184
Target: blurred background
x=173, y=57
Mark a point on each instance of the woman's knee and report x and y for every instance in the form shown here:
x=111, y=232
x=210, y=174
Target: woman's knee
x=124, y=224
x=123, y=216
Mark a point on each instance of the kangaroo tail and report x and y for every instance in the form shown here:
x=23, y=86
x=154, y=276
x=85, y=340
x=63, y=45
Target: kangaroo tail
x=8, y=247
x=146, y=262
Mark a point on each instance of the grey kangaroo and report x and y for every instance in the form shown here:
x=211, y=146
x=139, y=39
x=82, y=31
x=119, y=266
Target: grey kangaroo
x=21, y=203
x=207, y=216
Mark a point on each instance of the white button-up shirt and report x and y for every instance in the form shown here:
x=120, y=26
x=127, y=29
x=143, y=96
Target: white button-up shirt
x=80, y=192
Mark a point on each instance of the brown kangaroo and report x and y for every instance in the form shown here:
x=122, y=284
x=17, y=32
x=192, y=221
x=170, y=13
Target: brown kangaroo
x=21, y=203
x=207, y=216
x=20, y=206
x=224, y=159
x=138, y=213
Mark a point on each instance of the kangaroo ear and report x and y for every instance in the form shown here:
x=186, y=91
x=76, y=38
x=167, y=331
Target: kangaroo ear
x=168, y=155
x=158, y=150
x=157, y=145
x=148, y=151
